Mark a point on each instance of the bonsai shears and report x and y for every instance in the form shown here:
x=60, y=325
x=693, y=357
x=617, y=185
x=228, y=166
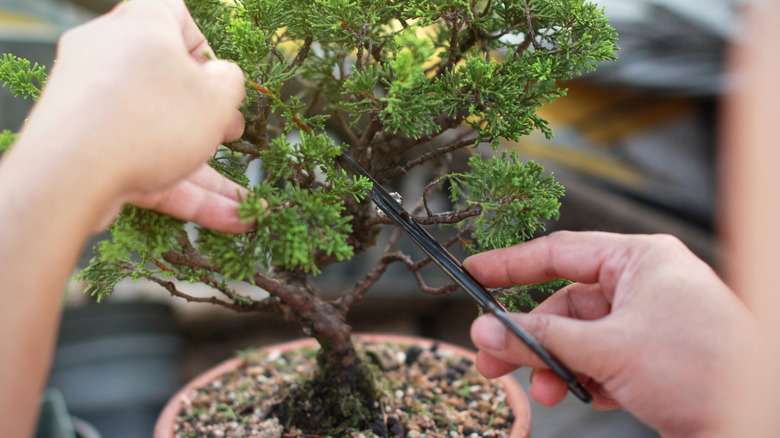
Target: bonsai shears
x=454, y=269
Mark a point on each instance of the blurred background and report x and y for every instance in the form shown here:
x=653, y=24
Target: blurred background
x=635, y=146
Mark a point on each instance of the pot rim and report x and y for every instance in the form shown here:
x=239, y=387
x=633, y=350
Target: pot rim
x=515, y=395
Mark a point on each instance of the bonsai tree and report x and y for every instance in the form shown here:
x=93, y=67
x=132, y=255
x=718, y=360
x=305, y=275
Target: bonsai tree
x=396, y=84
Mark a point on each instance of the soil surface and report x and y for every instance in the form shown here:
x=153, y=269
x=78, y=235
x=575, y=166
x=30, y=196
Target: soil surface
x=426, y=393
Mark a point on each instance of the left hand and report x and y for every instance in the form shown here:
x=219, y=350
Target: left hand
x=205, y=197
x=137, y=105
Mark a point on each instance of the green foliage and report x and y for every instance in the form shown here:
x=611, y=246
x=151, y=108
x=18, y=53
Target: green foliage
x=236, y=256
x=7, y=139
x=231, y=165
x=398, y=75
x=520, y=299
x=22, y=77
x=103, y=275
x=512, y=197
x=394, y=81
x=148, y=233
x=498, y=93
x=404, y=109
x=139, y=237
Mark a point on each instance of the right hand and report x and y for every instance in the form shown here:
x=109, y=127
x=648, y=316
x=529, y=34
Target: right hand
x=649, y=327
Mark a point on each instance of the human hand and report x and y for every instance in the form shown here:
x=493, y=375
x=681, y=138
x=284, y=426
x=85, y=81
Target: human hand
x=205, y=197
x=650, y=328
x=135, y=103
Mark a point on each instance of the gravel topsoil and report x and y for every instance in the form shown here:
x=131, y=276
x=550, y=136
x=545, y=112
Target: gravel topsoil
x=426, y=393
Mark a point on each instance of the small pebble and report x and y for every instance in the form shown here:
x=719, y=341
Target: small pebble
x=428, y=393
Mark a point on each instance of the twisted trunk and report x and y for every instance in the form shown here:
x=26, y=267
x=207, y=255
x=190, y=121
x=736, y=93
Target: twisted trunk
x=341, y=394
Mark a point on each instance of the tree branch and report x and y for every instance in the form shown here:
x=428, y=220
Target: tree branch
x=360, y=288
x=398, y=16
x=192, y=258
x=530, y=25
x=349, y=133
x=415, y=267
x=270, y=304
x=361, y=148
x=244, y=147
x=431, y=185
x=301, y=56
x=360, y=35
x=403, y=170
x=447, y=218
x=454, y=51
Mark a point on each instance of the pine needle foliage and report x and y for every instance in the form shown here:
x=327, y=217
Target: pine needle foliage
x=7, y=139
x=513, y=199
x=396, y=84
x=22, y=77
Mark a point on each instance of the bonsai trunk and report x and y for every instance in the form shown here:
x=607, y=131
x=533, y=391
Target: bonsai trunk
x=341, y=394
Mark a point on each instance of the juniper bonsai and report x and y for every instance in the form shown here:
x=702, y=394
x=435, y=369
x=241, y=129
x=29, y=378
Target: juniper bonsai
x=396, y=84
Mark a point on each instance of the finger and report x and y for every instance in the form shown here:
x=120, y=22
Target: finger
x=191, y=202
x=108, y=217
x=602, y=401
x=579, y=301
x=587, y=257
x=546, y=388
x=194, y=41
x=224, y=81
x=491, y=367
x=192, y=38
x=584, y=346
x=236, y=127
x=208, y=178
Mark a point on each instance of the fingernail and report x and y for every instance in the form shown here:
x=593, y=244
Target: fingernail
x=489, y=333
x=466, y=262
x=605, y=394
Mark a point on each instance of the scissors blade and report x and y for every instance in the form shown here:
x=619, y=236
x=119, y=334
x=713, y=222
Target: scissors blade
x=454, y=269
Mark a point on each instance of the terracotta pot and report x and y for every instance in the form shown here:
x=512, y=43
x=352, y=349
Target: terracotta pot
x=516, y=398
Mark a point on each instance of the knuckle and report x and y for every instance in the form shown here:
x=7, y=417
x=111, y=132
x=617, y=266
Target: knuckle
x=665, y=245
x=559, y=235
x=667, y=241
x=539, y=327
x=69, y=38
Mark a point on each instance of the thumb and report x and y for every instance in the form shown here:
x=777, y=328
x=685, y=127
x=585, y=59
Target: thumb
x=580, y=345
x=226, y=80
x=225, y=89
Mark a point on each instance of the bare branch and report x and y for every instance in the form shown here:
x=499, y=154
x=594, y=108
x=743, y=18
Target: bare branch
x=275, y=52
x=415, y=268
x=362, y=286
x=447, y=218
x=431, y=185
x=445, y=123
x=347, y=130
x=530, y=25
x=361, y=148
x=403, y=170
x=244, y=147
x=301, y=56
x=398, y=16
x=454, y=50
x=267, y=305
x=192, y=258
x=313, y=104
x=361, y=36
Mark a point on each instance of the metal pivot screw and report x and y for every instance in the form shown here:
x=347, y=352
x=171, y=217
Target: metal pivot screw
x=398, y=199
